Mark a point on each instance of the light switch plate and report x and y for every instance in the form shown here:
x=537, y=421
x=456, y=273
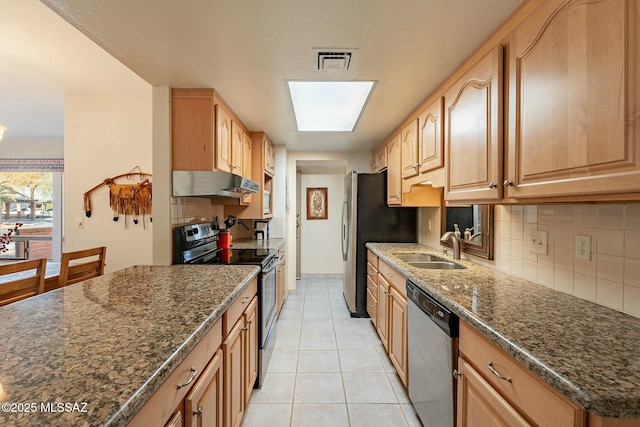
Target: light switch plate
x=538, y=242
x=583, y=247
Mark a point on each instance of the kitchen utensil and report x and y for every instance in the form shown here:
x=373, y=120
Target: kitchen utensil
x=230, y=221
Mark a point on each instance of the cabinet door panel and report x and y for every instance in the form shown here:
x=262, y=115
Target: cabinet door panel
x=204, y=403
x=473, y=136
x=237, y=143
x=233, y=350
x=398, y=333
x=251, y=347
x=430, y=142
x=382, y=312
x=574, y=100
x=394, y=173
x=409, y=156
x=192, y=133
x=479, y=404
x=223, y=139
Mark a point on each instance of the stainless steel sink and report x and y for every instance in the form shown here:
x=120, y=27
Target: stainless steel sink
x=419, y=258
x=429, y=261
x=437, y=265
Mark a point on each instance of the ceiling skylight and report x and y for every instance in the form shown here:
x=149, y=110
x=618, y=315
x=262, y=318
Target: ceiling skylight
x=329, y=106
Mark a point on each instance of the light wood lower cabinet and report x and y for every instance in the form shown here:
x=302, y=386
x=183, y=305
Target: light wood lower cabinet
x=484, y=390
x=177, y=420
x=372, y=300
x=372, y=287
x=479, y=404
x=251, y=347
x=234, y=386
x=212, y=385
x=204, y=405
x=240, y=349
x=391, y=317
x=398, y=333
x=383, y=309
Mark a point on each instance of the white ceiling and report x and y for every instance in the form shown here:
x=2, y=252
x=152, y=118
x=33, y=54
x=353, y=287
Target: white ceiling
x=245, y=49
x=43, y=58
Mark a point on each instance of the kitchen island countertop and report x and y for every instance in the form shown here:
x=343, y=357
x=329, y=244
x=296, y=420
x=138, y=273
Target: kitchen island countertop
x=588, y=352
x=109, y=342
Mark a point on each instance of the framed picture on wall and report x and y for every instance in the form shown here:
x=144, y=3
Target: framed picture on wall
x=317, y=203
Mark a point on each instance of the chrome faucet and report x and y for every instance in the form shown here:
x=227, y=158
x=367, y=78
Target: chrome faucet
x=449, y=235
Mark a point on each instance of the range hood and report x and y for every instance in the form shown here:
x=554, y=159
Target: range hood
x=211, y=184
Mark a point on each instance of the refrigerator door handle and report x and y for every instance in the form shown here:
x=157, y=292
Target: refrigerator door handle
x=345, y=233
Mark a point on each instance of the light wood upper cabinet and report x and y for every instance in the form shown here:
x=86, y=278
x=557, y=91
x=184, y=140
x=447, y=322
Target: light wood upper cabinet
x=192, y=130
x=269, y=157
x=430, y=137
x=206, y=135
x=237, y=146
x=473, y=132
x=379, y=159
x=574, y=95
x=394, y=173
x=223, y=139
x=409, y=157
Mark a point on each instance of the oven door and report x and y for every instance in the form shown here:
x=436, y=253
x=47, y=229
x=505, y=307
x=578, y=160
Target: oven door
x=268, y=298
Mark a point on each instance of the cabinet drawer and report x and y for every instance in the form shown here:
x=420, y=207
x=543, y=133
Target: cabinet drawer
x=236, y=308
x=372, y=286
x=168, y=397
x=372, y=258
x=395, y=278
x=533, y=398
x=372, y=306
x=372, y=274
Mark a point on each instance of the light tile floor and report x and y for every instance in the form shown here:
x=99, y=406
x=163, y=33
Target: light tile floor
x=328, y=369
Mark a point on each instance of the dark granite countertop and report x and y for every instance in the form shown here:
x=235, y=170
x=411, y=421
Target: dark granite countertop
x=258, y=243
x=110, y=341
x=588, y=352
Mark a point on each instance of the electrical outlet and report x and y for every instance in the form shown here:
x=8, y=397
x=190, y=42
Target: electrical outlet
x=538, y=242
x=80, y=222
x=429, y=225
x=583, y=247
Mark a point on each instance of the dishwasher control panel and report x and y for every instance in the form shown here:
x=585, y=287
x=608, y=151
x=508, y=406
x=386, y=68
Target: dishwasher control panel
x=439, y=314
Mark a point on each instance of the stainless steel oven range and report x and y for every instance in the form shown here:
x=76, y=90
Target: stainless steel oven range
x=197, y=244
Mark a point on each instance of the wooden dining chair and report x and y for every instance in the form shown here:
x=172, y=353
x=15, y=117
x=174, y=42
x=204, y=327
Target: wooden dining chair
x=24, y=285
x=74, y=271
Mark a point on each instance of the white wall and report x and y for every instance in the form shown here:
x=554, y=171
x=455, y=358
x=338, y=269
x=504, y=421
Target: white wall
x=104, y=137
x=32, y=149
x=321, y=244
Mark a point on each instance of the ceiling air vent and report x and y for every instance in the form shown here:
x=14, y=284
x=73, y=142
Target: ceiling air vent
x=335, y=59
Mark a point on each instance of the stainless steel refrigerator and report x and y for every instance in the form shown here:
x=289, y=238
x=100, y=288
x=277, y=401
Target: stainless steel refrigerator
x=367, y=218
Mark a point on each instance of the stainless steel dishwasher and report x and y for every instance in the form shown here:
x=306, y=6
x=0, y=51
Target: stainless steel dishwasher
x=433, y=353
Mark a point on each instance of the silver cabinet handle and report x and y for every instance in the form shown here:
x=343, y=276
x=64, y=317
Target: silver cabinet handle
x=497, y=374
x=246, y=300
x=198, y=412
x=492, y=185
x=370, y=272
x=194, y=372
x=507, y=183
x=456, y=374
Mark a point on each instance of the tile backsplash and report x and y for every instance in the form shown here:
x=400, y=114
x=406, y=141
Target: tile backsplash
x=611, y=277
